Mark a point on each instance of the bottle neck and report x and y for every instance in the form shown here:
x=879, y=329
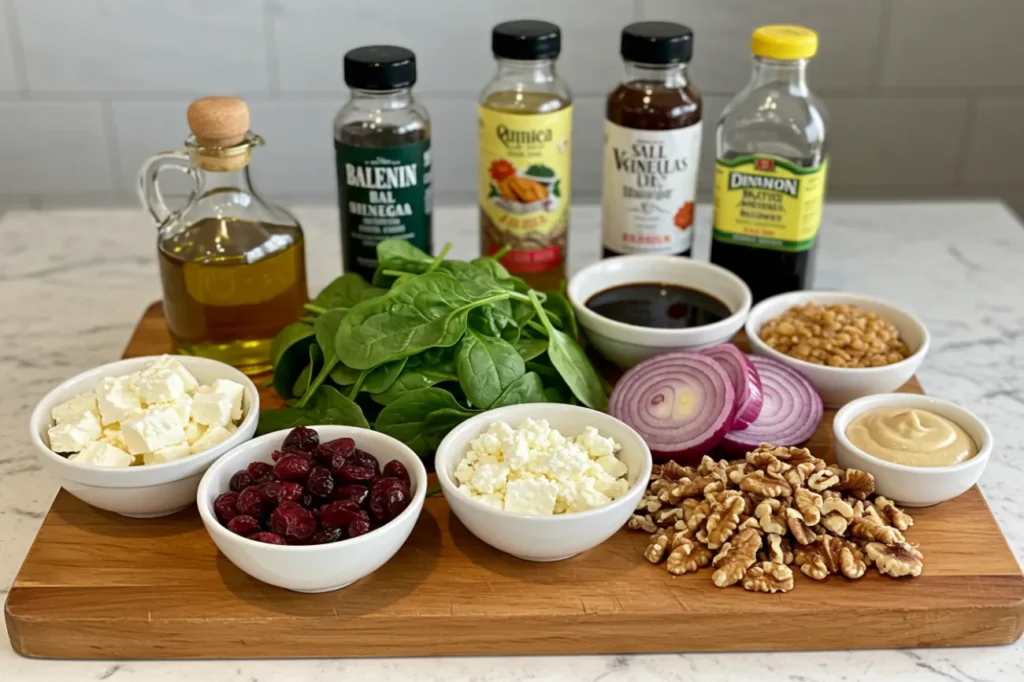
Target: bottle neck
x=400, y=98
x=789, y=74
x=668, y=75
x=527, y=71
x=236, y=179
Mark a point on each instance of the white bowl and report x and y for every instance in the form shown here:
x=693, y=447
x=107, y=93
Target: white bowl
x=140, y=491
x=313, y=568
x=627, y=344
x=839, y=385
x=907, y=485
x=544, y=538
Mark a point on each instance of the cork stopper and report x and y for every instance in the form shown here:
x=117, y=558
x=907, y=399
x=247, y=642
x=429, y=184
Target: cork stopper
x=218, y=121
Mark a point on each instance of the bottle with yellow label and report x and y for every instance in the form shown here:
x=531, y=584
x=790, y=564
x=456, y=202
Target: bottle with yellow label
x=770, y=168
x=525, y=118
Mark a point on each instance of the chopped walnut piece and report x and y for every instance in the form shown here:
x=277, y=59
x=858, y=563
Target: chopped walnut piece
x=833, y=501
x=759, y=483
x=735, y=557
x=777, y=549
x=736, y=471
x=822, y=480
x=667, y=517
x=897, y=561
x=856, y=483
x=771, y=517
x=674, y=471
x=867, y=529
x=749, y=522
x=897, y=518
x=689, y=487
x=648, y=504
x=696, y=512
x=709, y=468
x=830, y=555
x=688, y=556
x=800, y=530
x=835, y=523
x=723, y=519
x=660, y=543
x=768, y=576
x=797, y=475
x=644, y=523
x=851, y=561
x=809, y=504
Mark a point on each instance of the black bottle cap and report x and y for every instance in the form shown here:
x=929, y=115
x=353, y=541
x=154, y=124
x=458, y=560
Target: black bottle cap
x=526, y=39
x=657, y=42
x=380, y=67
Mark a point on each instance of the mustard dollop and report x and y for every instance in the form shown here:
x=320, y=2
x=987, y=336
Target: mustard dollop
x=910, y=436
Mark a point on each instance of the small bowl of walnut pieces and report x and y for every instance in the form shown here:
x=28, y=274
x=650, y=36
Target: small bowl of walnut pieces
x=847, y=345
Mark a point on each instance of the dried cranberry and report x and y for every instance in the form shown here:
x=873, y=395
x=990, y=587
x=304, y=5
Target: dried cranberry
x=325, y=536
x=351, y=491
x=395, y=469
x=320, y=482
x=308, y=500
x=339, y=447
x=388, y=498
x=224, y=506
x=293, y=467
x=240, y=481
x=302, y=438
x=355, y=472
x=244, y=525
x=359, y=527
x=276, y=455
x=261, y=472
x=270, y=493
x=292, y=522
x=365, y=459
x=269, y=538
x=290, y=492
x=250, y=502
x=340, y=514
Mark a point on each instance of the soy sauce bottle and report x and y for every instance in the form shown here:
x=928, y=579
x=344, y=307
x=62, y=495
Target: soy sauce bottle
x=652, y=135
x=770, y=169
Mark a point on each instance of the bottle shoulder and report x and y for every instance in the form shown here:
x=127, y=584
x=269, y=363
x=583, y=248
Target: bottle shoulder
x=375, y=123
x=770, y=119
x=516, y=94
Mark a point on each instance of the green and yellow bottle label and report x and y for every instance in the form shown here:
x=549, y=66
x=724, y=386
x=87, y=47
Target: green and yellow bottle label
x=768, y=202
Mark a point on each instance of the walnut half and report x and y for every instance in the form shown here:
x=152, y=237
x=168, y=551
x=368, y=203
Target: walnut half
x=768, y=576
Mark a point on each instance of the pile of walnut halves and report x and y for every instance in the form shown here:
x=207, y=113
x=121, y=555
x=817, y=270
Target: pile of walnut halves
x=751, y=520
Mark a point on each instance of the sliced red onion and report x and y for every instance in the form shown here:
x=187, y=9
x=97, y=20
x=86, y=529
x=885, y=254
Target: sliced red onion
x=680, y=403
x=791, y=412
x=745, y=382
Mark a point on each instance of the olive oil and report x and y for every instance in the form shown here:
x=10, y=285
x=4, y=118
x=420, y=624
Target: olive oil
x=230, y=285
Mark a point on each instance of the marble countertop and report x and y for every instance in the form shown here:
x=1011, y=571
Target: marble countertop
x=74, y=283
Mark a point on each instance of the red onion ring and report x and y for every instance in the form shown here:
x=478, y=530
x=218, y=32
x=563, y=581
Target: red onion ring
x=680, y=403
x=745, y=381
x=790, y=415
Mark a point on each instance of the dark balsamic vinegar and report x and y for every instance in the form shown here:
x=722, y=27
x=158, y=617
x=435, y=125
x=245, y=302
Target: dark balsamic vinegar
x=661, y=306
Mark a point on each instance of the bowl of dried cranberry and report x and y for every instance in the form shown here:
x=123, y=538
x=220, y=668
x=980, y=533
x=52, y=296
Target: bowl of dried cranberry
x=313, y=509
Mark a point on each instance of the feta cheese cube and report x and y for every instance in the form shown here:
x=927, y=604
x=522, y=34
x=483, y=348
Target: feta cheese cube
x=157, y=428
x=183, y=406
x=116, y=397
x=71, y=409
x=103, y=455
x=234, y=391
x=158, y=385
x=211, y=408
x=533, y=495
x=74, y=435
x=612, y=466
x=194, y=431
x=169, y=362
x=215, y=435
x=114, y=437
x=168, y=454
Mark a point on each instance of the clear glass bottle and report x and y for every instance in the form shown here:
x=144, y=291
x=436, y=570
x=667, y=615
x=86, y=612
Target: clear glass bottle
x=652, y=136
x=525, y=117
x=770, y=170
x=232, y=265
x=382, y=155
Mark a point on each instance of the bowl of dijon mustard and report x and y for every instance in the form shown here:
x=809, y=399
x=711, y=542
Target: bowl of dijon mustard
x=920, y=450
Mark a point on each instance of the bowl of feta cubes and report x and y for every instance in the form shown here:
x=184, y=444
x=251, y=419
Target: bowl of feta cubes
x=135, y=436
x=543, y=482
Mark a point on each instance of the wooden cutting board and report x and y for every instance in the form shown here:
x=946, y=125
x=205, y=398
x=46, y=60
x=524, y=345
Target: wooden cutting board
x=97, y=585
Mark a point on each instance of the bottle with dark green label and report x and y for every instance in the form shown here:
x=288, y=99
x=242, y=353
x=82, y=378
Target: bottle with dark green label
x=382, y=156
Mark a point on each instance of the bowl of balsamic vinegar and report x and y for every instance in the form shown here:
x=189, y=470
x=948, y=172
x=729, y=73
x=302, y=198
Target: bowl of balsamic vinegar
x=633, y=307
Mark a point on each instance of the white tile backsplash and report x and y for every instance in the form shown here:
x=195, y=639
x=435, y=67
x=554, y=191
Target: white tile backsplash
x=926, y=96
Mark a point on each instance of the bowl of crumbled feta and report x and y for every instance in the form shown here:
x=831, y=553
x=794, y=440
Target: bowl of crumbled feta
x=135, y=436
x=543, y=482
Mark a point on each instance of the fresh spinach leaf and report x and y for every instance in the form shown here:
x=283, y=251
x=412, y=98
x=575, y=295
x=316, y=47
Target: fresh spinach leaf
x=486, y=366
x=441, y=359
x=345, y=292
x=410, y=380
x=422, y=418
x=325, y=328
x=289, y=354
x=381, y=378
x=343, y=375
x=557, y=305
x=398, y=254
x=328, y=407
x=526, y=389
x=529, y=349
x=572, y=363
x=476, y=281
x=301, y=386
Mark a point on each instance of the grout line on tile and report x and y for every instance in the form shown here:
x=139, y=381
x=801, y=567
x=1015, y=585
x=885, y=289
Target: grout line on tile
x=16, y=47
x=113, y=148
x=882, y=53
x=966, y=138
x=270, y=47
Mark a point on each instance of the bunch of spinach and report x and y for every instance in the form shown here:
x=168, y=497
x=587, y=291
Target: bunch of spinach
x=428, y=344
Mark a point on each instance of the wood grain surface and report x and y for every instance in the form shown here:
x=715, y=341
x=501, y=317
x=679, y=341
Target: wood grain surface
x=97, y=585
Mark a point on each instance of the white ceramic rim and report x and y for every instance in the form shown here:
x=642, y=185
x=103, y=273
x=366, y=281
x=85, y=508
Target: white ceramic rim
x=205, y=504
x=835, y=297
x=41, y=415
x=855, y=408
x=655, y=335
x=448, y=484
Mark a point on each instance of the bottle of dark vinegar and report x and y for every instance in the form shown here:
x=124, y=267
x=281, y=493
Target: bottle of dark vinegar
x=652, y=144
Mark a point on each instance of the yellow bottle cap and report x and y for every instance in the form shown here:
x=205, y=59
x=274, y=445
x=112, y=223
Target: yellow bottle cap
x=784, y=42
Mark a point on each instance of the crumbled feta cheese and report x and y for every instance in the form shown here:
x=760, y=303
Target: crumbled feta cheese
x=157, y=428
x=169, y=363
x=193, y=431
x=211, y=408
x=71, y=409
x=73, y=435
x=215, y=435
x=183, y=406
x=234, y=391
x=103, y=455
x=116, y=397
x=534, y=469
x=168, y=454
x=158, y=385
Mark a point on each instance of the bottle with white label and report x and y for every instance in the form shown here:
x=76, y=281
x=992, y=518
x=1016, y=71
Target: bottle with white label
x=652, y=144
